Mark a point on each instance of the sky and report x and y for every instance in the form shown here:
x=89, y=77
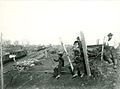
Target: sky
x=44, y=22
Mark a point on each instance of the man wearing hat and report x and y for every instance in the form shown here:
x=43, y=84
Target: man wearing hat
x=110, y=50
x=78, y=61
x=60, y=65
x=110, y=36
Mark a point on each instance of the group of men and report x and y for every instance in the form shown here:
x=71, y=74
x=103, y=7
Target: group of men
x=79, y=65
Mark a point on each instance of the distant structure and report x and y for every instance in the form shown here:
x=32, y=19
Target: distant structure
x=97, y=41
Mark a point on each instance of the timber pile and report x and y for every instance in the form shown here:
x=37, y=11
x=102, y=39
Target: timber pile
x=26, y=64
x=98, y=67
x=94, y=50
x=92, y=57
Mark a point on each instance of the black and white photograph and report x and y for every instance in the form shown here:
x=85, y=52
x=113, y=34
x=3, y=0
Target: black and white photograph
x=59, y=44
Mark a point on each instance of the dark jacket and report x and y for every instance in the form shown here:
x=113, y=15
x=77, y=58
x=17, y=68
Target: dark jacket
x=78, y=57
x=61, y=61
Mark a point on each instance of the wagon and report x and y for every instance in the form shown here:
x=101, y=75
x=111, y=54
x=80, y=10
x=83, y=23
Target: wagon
x=18, y=54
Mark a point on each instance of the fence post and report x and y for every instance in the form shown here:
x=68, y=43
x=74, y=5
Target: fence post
x=84, y=46
x=2, y=79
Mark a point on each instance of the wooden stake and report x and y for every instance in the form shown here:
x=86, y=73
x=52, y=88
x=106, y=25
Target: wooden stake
x=67, y=54
x=46, y=54
x=97, y=41
x=2, y=79
x=85, y=54
x=102, y=49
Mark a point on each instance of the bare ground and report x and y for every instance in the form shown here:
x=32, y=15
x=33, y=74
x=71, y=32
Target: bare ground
x=41, y=77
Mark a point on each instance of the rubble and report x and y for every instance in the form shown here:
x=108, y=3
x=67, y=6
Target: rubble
x=26, y=64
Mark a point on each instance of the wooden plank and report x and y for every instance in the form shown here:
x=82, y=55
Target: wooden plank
x=102, y=49
x=85, y=53
x=67, y=54
x=2, y=79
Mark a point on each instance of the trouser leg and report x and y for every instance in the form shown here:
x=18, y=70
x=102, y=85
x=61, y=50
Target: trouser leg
x=56, y=71
x=75, y=69
x=78, y=68
x=114, y=56
x=107, y=56
x=59, y=69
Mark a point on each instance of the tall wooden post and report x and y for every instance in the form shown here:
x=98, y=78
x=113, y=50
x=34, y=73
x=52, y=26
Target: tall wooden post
x=67, y=54
x=2, y=79
x=102, y=48
x=85, y=54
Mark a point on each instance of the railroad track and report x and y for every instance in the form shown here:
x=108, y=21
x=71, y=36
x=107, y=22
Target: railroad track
x=8, y=66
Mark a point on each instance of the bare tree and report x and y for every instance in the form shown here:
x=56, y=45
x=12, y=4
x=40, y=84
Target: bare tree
x=6, y=42
x=16, y=42
x=25, y=43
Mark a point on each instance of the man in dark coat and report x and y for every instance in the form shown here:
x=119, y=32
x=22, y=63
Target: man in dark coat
x=60, y=65
x=78, y=61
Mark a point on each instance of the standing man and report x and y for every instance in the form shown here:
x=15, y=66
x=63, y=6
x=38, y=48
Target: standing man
x=110, y=50
x=60, y=65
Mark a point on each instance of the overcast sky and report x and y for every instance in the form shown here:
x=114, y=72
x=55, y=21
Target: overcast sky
x=43, y=22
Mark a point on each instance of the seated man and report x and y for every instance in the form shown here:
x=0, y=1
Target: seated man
x=78, y=61
x=110, y=50
x=57, y=70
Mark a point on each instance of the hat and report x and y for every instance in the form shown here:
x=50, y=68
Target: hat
x=110, y=34
x=60, y=53
x=78, y=38
x=75, y=42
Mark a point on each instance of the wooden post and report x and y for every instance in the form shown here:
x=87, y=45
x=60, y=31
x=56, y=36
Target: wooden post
x=97, y=41
x=102, y=48
x=2, y=79
x=85, y=54
x=46, y=54
x=67, y=54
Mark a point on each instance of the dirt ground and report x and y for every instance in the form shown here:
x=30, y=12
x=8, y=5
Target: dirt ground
x=41, y=76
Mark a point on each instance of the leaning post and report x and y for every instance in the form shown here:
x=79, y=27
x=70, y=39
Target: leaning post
x=2, y=79
x=84, y=46
x=102, y=52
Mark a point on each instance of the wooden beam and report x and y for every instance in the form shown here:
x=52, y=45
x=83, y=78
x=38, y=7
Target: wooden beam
x=2, y=79
x=67, y=54
x=84, y=46
x=102, y=48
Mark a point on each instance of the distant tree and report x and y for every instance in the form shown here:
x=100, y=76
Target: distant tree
x=6, y=42
x=25, y=43
x=16, y=42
